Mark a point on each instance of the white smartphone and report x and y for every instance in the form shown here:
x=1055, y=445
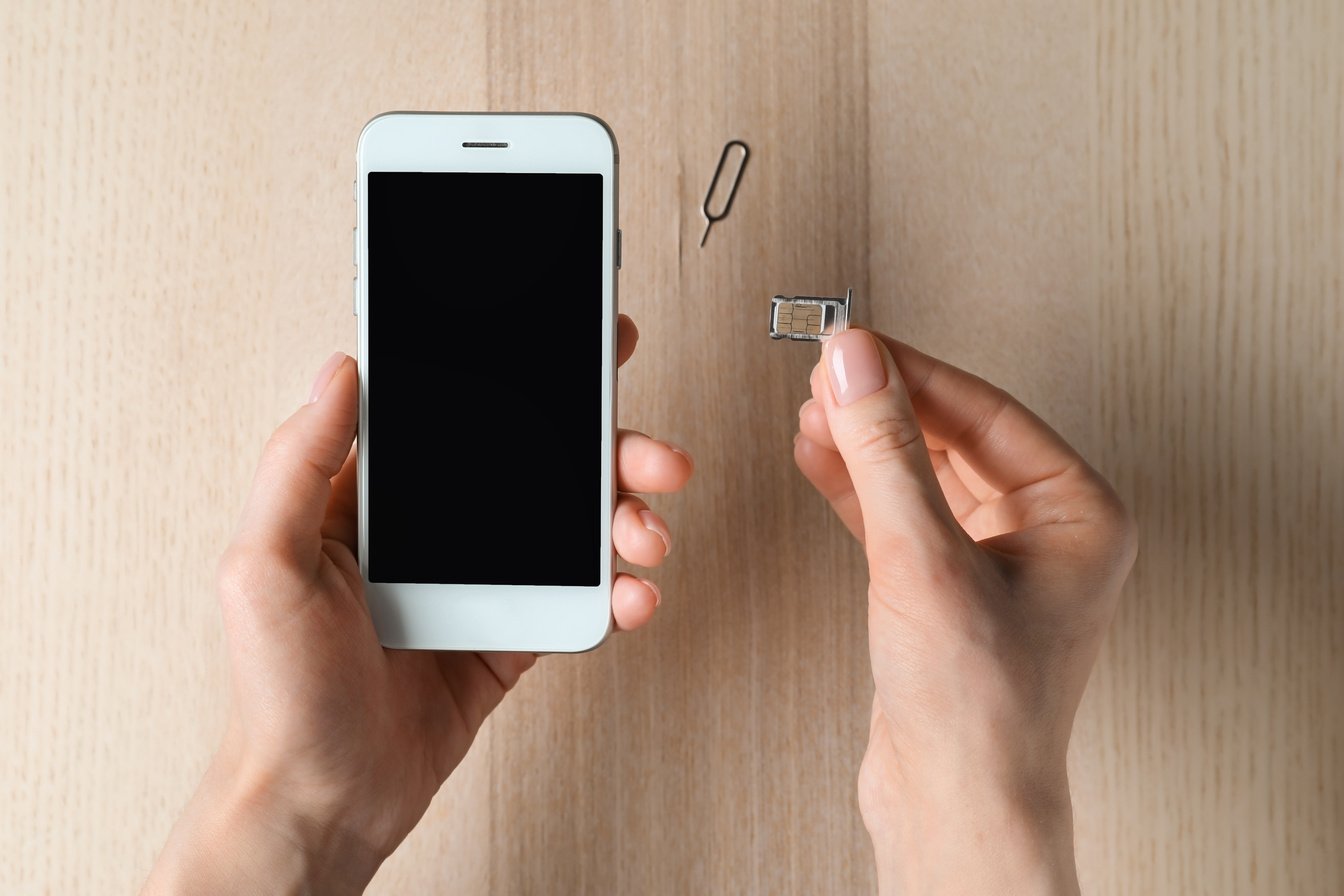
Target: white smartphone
x=486, y=253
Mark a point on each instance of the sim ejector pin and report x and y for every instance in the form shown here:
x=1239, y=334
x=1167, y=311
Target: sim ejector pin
x=810, y=318
x=710, y=217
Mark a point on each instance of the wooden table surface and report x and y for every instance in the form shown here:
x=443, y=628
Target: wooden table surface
x=1129, y=212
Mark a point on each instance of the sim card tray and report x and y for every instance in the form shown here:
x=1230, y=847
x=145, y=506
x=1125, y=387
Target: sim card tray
x=809, y=318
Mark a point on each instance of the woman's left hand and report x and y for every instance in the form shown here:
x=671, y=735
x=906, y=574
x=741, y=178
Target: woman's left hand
x=335, y=745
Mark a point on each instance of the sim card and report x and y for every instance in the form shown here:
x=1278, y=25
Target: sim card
x=809, y=318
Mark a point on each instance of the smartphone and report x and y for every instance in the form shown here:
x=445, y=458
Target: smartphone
x=486, y=250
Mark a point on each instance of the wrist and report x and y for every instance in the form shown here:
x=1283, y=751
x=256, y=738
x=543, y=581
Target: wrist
x=969, y=836
x=238, y=835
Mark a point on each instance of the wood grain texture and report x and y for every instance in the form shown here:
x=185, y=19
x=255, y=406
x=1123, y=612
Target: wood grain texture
x=1130, y=214
x=1212, y=749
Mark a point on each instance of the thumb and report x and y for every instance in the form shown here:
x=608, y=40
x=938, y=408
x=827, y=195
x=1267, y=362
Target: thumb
x=876, y=432
x=292, y=486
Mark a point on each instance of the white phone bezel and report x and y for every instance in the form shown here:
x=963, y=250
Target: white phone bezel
x=492, y=617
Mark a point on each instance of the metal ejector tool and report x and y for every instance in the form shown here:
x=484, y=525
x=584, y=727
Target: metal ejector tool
x=810, y=318
x=711, y=218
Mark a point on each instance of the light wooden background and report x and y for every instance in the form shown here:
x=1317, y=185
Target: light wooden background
x=1131, y=213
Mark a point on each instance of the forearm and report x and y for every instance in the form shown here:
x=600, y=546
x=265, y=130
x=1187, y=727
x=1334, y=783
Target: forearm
x=234, y=838
x=972, y=842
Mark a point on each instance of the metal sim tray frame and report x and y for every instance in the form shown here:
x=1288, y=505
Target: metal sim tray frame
x=809, y=318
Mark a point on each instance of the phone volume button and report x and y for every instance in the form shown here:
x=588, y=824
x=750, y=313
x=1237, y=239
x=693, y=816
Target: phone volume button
x=618, y=249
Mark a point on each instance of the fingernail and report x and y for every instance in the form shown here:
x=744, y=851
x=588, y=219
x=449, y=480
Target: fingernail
x=657, y=595
x=658, y=527
x=324, y=376
x=796, y=437
x=807, y=404
x=855, y=366
x=683, y=452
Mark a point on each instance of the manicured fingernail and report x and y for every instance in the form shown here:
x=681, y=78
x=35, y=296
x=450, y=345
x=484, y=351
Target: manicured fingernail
x=657, y=595
x=658, y=527
x=324, y=376
x=854, y=365
x=805, y=405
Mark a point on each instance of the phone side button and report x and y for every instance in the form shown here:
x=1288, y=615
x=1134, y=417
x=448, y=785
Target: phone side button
x=618, y=249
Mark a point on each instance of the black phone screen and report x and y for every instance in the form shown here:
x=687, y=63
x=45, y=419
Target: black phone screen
x=484, y=378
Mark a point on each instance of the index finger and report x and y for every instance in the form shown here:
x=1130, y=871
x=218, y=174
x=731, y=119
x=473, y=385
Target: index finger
x=1002, y=440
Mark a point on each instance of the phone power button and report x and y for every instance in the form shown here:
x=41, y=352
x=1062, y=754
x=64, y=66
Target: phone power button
x=618, y=249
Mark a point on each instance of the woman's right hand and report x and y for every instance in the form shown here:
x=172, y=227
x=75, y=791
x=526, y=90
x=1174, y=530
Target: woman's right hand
x=995, y=558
